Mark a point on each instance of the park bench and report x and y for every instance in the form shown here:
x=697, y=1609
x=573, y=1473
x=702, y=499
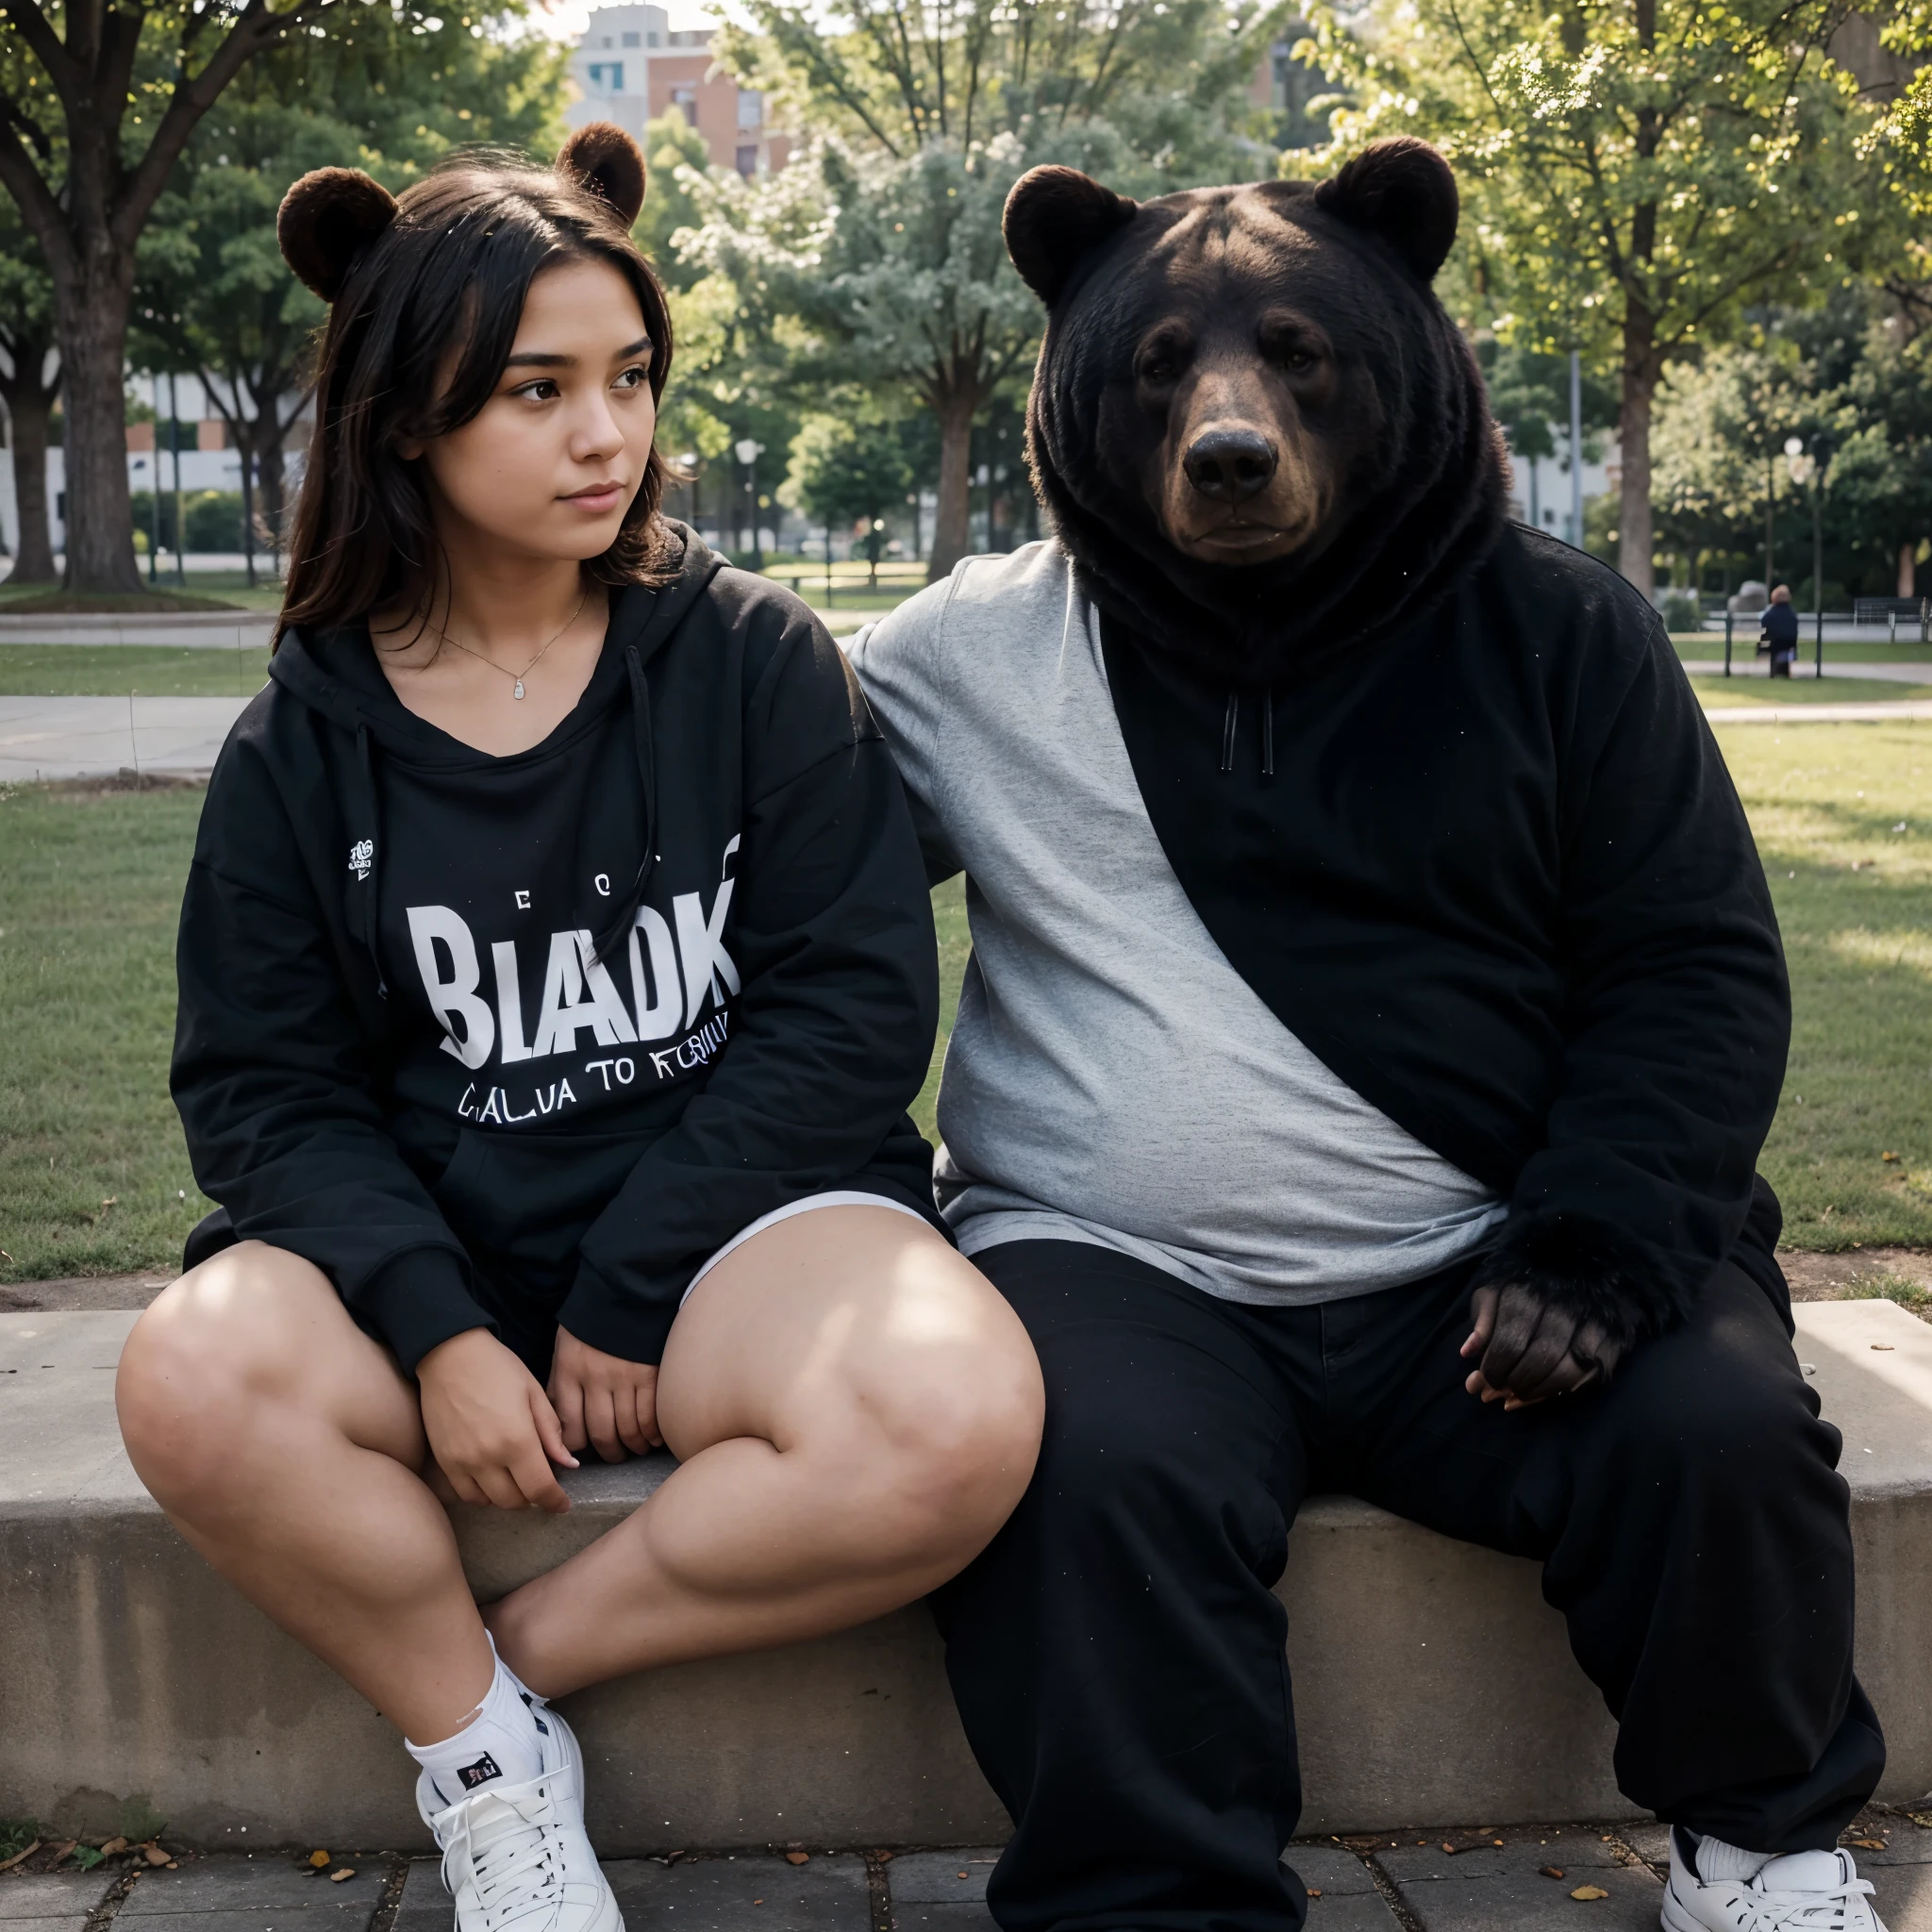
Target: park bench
x=1431, y=1681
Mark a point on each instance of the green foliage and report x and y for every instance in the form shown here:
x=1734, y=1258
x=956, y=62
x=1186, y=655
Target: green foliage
x=213, y=518
x=1529, y=393
x=676, y=162
x=846, y=473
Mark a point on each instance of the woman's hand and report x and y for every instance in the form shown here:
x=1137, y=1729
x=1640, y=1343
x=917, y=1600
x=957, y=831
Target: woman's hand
x=491, y=1428
x=604, y=1402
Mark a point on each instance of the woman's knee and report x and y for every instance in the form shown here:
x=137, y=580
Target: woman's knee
x=208, y=1354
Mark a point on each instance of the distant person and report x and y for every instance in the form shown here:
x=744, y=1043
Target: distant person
x=556, y=937
x=1777, y=631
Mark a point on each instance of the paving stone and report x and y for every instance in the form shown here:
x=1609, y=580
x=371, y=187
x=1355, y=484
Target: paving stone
x=1903, y=1894
x=1502, y=1890
x=745, y=1894
x=424, y=1907
x=261, y=1894
x=1651, y=1843
x=1905, y=1844
x=1349, y=1901
x=51, y=1898
x=941, y=1878
x=47, y=1899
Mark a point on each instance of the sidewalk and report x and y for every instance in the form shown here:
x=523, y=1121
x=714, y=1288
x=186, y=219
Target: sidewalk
x=1890, y=674
x=42, y=739
x=1519, y=1880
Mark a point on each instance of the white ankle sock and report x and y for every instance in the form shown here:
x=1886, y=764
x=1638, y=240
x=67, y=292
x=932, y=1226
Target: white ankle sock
x=1718, y=1861
x=498, y=1744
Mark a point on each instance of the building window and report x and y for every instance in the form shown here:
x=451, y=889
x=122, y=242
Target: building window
x=748, y=160
x=751, y=108
x=604, y=42
x=630, y=40
x=687, y=99
x=609, y=74
x=653, y=40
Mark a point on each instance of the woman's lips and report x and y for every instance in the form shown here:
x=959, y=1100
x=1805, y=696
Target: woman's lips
x=597, y=499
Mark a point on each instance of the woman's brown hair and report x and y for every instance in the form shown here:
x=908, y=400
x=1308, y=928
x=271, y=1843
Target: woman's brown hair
x=426, y=292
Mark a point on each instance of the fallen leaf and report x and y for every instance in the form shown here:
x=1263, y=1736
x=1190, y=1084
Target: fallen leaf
x=1892, y=1156
x=1589, y=1892
x=883, y=1857
x=61, y=1850
x=1314, y=1891
x=113, y=1848
x=171, y=1866
x=962, y=1875
x=1552, y=1871
x=21, y=1857
x=757, y=1901
x=796, y=1857
x=1870, y=1844
x=154, y=1855
x=337, y=1877
x=318, y=1859
x=1449, y=1849
x=1497, y=1843
x=1881, y=1348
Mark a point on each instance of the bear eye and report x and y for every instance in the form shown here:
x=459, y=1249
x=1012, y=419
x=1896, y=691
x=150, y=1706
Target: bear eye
x=1298, y=361
x=1160, y=363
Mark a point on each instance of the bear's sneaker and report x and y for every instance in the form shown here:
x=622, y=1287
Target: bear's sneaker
x=1804, y=1891
x=515, y=1857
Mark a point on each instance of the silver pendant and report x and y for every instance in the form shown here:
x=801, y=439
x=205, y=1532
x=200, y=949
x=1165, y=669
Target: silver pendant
x=519, y=692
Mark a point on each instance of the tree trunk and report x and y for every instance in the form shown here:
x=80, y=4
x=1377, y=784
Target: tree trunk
x=1908, y=569
x=1641, y=373
x=951, y=534
x=92, y=326
x=30, y=407
x=267, y=463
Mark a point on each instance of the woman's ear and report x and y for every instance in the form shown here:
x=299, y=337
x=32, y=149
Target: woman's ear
x=603, y=159
x=326, y=220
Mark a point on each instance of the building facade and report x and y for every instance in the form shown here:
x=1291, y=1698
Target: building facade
x=630, y=67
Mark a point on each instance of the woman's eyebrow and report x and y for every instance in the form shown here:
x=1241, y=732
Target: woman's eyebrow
x=546, y=358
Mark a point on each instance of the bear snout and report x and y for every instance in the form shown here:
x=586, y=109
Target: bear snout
x=1230, y=465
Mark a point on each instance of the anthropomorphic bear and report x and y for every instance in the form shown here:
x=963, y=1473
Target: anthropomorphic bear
x=1375, y=1014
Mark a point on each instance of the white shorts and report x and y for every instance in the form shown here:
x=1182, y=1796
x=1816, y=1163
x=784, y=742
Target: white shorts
x=839, y=1197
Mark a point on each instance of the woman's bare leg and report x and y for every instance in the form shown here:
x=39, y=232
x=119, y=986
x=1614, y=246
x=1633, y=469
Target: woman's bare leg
x=285, y=1445
x=855, y=1411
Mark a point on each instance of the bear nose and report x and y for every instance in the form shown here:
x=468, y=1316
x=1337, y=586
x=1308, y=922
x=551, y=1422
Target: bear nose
x=1230, y=465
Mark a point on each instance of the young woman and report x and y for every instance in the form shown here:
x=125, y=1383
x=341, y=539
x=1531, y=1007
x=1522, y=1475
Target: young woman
x=556, y=937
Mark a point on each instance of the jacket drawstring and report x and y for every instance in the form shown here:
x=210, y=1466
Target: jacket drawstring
x=365, y=853
x=1230, y=731
x=1230, y=724
x=647, y=774
x=1268, y=732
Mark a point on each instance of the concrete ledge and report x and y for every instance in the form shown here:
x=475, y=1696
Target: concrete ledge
x=138, y=1687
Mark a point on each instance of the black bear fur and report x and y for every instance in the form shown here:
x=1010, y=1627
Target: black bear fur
x=326, y=219
x=605, y=161
x=1420, y=474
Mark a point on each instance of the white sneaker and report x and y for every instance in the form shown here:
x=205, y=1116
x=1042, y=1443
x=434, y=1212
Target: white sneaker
x=1804, y=1891
x=516, y=1855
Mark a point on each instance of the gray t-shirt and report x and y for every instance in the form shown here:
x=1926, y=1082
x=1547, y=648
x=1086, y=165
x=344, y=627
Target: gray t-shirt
x=1111, y=1078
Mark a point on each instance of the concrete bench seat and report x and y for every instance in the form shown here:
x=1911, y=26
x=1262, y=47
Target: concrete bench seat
x=140, y=1689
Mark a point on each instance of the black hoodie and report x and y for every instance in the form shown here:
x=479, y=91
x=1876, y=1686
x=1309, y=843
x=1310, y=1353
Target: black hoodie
x=470, y=1032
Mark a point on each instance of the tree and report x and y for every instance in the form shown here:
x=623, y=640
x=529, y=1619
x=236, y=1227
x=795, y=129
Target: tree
x=1636, y=170
x=29, y=380
x=850, y=473
x=213, y=294
x=94, y=115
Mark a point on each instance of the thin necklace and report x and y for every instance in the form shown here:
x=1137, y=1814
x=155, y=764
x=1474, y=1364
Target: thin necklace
x=517, y=677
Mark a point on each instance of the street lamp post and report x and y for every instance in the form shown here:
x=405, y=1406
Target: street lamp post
x=1576, y=448
x=747, y=452
x=1805, y=470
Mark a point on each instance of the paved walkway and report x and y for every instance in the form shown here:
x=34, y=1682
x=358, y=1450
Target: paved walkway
x=251, y=629
x=1527, y=1880
x=97, y=737
x=1889, y=674
x=1818, y=714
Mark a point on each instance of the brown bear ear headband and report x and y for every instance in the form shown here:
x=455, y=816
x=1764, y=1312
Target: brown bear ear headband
x=331, y=214
x=1400, y=189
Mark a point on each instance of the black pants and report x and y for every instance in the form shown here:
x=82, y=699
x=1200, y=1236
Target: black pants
x=1117, y=1652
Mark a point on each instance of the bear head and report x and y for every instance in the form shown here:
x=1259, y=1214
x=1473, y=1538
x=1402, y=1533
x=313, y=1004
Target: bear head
x=1253, y=425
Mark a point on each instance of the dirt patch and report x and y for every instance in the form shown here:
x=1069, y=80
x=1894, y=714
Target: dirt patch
x=1828, y=1277
x=81, y=1293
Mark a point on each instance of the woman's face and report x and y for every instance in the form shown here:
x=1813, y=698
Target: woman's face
x=549, y=465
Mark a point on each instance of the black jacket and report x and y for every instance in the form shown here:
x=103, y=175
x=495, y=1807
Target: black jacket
x=1492, y=868
x=1778, y=630
x=551, y=1028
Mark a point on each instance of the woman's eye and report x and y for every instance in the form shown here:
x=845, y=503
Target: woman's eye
x=634, y=377
x=542, y=391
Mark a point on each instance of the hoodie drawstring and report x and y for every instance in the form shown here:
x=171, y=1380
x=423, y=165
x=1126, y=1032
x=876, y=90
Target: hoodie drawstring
x=606, y=941
x=1230, y=729
x=366, y=849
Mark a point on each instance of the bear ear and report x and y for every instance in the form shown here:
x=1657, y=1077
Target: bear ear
x=1054, y=216
x=1405, y=192
x=603, y=159
x=326, y=220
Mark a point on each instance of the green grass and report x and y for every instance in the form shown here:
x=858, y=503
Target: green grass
x=1706, y=647
x=94, y=1172
x=148, y=670
x=1806, y=691
x=91, y=883
x=1854, y=896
